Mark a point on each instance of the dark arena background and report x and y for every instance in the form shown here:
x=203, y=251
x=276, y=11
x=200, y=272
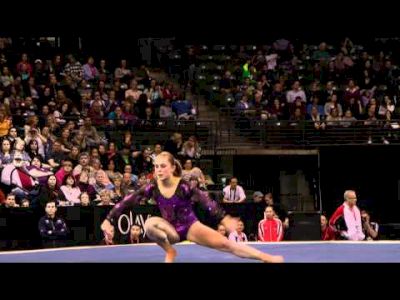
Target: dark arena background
x=294, y=119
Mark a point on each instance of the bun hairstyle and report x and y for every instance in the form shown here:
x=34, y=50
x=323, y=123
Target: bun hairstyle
x=173, y=162
x=178, y=168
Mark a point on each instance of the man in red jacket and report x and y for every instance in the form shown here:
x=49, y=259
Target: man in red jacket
x=348, y=218
x=270, y=229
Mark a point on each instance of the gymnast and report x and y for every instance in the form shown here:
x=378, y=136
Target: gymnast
x=174, y=198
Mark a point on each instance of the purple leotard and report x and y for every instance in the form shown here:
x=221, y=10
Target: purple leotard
x=177, y=210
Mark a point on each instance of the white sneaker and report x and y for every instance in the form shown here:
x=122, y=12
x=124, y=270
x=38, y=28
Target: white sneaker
x=386, y=142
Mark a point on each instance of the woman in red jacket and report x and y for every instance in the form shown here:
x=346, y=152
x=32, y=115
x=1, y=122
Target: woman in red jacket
x=270, y=229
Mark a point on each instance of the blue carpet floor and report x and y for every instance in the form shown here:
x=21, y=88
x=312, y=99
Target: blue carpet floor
x=292, y=252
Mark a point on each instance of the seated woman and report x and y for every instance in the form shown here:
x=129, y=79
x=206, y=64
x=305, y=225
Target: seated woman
x=19, y=149
x=69, y=192
x=105, y=198
x=38, y=171
x=189, y=171
x=5, y=152
x=85, y=199
x=85, y=186
x=191, y=149
x=111, y=172
x=117, y=194
x=48, y=192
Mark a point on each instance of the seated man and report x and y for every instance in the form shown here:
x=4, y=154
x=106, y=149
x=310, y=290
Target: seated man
x=258, y=197
x=234, y=192
x=349, y=214
x=183, y=109
x=270, y=229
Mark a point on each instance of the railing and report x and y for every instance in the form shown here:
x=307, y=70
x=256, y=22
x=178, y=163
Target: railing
x=150, y=132
x=233, y=129
x=307, y=133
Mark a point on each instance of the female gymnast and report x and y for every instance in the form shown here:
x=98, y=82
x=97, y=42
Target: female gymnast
x=174, y=198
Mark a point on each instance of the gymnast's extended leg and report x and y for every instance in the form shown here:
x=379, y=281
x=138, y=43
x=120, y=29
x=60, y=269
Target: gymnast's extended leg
x=205, y=236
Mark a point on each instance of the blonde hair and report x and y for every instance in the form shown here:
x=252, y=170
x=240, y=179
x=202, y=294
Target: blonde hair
x=105, y=193
x=173, y=162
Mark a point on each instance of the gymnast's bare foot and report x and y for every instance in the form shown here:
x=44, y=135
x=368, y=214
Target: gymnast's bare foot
x=170, y=255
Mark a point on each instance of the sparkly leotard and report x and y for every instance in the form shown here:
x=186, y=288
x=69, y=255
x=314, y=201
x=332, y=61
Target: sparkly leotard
x=177, y=210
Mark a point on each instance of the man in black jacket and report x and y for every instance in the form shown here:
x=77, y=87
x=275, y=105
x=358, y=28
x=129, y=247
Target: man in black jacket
x=53, y=230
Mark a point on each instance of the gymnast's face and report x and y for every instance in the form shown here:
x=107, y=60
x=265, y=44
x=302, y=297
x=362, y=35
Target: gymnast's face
x=163, y=168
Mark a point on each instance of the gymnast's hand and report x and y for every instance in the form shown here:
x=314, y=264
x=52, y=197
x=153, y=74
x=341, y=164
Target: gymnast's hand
x=230, y=223
x=108, y=231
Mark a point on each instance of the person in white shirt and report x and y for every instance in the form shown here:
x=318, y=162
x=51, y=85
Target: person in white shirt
x=295, y=92
x=233, y=192
x=238, y=235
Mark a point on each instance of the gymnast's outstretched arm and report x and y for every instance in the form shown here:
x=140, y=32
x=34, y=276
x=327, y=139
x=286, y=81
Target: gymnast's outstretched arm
x=207, y=203
x=129, y=201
